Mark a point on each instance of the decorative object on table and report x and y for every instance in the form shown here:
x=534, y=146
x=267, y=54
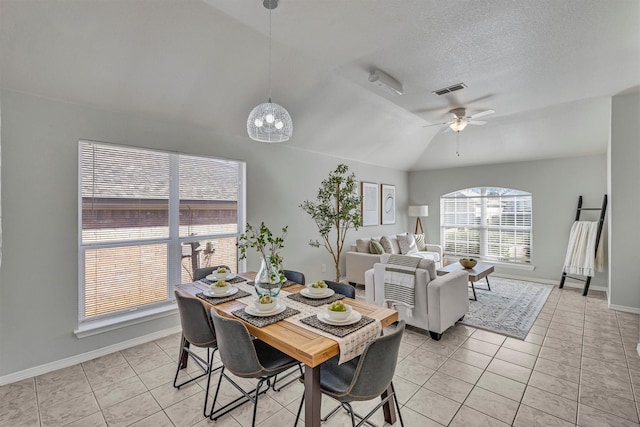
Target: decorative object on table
x=370, y=203
x=269, y=122
x=419, y=211
x=221, y=273
x=339, y=311
x=468, y=262
x=318, y=288
x=219, y=288
x=270, y=277
x=265, y=303
x=387, y=204
x=510, y=308
x=336, y=209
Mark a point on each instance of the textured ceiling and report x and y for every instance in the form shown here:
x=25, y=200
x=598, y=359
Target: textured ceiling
x=547, y=67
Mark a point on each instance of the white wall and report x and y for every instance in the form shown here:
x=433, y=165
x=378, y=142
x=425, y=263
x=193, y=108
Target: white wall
x=555, y=186
x=38, y=279
x=624, y=183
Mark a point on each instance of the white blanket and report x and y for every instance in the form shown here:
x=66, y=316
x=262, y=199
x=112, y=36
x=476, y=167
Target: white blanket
x=400, y=282
x=581, y=251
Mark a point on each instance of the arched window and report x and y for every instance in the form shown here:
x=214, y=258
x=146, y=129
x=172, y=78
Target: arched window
x=489, y=223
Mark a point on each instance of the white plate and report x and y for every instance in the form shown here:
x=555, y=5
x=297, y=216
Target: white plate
x=307, y=293
x=213, y=278
x=232, y=290
x=279, y=308
x=354, y=317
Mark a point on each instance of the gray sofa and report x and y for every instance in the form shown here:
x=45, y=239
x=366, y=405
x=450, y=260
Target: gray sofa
x=440, y=301
x=359, y=259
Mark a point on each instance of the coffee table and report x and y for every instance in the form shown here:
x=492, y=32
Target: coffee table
x=480, y=271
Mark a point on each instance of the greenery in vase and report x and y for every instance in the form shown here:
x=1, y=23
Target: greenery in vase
x=269, y=246
x=336, y=209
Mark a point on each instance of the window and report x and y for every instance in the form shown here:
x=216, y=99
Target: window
x=147, y=220
x=490, y=223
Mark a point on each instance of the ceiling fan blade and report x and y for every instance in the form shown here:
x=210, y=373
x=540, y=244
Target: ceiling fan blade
x=476, y=122
x=481, y=114
x=447, y=129
x=435, y=124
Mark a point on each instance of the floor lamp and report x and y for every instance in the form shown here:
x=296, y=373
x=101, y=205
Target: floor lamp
x=418, y=211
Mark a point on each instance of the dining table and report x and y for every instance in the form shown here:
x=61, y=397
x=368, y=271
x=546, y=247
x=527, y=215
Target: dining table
x=302, y=344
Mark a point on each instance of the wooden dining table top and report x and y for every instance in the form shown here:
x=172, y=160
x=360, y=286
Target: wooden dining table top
x=302, y=344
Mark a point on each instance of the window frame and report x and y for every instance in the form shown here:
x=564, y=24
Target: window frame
x=485, y=227
x=125, y=317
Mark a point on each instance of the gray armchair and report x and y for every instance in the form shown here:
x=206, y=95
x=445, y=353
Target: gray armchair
x=440, y=301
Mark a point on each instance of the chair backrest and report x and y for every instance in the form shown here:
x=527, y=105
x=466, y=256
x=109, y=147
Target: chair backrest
x=236, y=348
x=376, y=366
x=342, y=288
x=197, y=326
x=294, y=276
x=203, y=272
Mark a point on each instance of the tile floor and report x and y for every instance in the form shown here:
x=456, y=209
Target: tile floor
x=578, y=366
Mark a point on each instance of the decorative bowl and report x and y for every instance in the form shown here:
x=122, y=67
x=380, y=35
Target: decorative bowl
x=339, y=315
x=261, y=306
x=468, y=262
x=217, y=289
x=221, y=275
x=317, y=290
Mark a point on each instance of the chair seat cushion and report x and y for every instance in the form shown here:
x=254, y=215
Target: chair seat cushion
x=272, y=359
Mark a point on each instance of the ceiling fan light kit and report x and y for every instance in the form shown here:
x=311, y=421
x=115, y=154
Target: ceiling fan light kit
x=386, y=82
x=269, y=122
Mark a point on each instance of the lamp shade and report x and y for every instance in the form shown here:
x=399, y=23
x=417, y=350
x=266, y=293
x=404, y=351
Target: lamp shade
x=419, y=210
x=269, y=122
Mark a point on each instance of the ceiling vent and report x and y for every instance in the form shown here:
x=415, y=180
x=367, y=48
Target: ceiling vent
x=449, y=89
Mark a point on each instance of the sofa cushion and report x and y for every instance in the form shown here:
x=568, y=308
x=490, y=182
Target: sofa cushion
x=420, y=242
x=390, y=244
x=430, y=266
x=407, y=244
x=375, y=247
x=362, y=245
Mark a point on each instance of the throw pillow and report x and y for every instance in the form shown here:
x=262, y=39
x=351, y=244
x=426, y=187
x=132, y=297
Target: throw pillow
x=362, y=245
x=385, y=241
x=375, y=247
x=407, y=244
x=420, y=243
x=430, y=266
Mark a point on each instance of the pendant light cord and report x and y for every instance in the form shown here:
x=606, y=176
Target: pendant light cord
x=269, y=55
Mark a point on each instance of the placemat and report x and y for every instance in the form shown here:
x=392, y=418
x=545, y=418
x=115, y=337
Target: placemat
x=216, y=300
x=339, y=331
x=236, y=279
x=315, y=302
x=284, y=285
x=264, y=321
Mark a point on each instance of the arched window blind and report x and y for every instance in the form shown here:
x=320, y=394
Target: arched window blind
x=147, y=219
x=490, y=223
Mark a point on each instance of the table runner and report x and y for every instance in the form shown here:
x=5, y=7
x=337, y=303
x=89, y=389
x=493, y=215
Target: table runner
x=351, y=345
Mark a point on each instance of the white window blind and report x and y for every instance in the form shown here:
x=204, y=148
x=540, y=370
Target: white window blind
x=489, y=223
x=147, y=219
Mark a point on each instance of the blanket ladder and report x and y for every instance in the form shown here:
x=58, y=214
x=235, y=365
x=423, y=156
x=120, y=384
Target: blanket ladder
x=603, y=210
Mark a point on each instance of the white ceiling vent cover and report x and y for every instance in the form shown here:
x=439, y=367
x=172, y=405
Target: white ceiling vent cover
x=449, y=89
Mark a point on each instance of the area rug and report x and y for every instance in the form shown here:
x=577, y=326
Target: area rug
x=509, y=308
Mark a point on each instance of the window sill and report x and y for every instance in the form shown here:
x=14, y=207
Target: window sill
x=95, y=327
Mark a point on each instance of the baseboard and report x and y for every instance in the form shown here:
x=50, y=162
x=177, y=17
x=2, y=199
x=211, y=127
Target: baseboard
x=567, y=284
x=79, y=358
x=624, y=308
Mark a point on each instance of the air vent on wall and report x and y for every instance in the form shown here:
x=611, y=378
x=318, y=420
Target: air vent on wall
x=449, y=89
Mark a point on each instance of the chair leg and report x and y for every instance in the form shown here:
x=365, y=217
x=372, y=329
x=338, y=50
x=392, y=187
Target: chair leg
x=395, y=399
x=205, y=365
x=299, y=411
x=244, y=398
x=292, y=372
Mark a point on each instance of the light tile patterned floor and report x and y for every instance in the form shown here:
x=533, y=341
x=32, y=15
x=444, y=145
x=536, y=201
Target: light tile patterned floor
x=578, y=366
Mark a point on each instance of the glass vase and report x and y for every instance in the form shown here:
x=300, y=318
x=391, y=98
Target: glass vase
x=268, y=279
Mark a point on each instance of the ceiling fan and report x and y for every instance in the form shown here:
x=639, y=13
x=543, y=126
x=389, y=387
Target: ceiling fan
x=460, y=120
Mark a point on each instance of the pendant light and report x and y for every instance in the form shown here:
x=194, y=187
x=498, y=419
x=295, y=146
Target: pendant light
x=269, y=122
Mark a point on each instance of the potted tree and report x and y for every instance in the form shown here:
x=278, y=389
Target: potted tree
x=335, y=210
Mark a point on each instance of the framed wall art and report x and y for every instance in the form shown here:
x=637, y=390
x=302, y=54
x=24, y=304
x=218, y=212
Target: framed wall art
x=370, y=203
x=388, y=204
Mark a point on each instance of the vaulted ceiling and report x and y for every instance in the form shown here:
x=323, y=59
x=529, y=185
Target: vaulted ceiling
x=547, y=67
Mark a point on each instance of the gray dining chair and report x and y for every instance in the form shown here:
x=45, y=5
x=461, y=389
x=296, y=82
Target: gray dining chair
x=197, y=330
x=245, y=357
x=294, y=276
x=365, y=377
x=203, y=272
x=342, y=288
